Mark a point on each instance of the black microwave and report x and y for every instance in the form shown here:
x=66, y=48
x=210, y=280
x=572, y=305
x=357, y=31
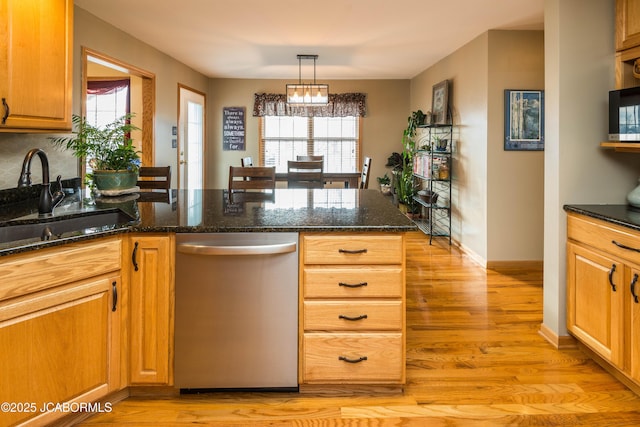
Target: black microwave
x=624, y=114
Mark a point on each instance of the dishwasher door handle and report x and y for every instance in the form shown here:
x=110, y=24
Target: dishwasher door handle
x=213, y=249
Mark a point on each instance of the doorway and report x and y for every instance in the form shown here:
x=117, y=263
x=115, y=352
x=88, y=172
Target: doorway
x=191, y=137
x=98, y=67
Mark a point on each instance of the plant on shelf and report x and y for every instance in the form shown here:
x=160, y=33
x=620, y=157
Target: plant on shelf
x=109, y=150
x=404, y=183
x=385, y=184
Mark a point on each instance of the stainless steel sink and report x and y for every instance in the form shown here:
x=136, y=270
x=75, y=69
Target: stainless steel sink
x=54, y=228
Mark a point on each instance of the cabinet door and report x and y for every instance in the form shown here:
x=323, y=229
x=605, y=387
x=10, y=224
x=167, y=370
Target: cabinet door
x=151, y=309
x=59, y=346
x=632, y=336
x=627, y=24
x=595, y=301
x=36, y=64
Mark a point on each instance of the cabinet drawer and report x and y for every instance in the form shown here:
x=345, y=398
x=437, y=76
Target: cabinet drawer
x=350, y=282
x=353, y=316
x=371, y=358
x=38, y=270
x=602, y=235
x=353, y=249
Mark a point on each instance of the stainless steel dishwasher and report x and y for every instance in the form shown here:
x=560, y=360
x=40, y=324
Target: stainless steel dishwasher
x=236, y=323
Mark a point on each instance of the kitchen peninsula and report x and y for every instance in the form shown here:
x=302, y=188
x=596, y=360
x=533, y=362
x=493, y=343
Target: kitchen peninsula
x=89, y=313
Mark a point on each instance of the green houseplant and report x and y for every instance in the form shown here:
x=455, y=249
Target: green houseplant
x=385, y=184
x=109, y=150
x=404, y=182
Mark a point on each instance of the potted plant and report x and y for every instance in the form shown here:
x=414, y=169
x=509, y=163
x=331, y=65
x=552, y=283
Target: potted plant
x=385, y=184
x=404, y=183
x=109, y=149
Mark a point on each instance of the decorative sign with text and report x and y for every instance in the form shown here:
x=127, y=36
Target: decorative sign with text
x=233, y=128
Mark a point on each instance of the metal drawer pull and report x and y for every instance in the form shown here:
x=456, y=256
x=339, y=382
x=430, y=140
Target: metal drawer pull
x=353, y=285
x=620, y=245
x=361, y=317
x=613, y=270
x=6, y=111
x=633, y=288
x=114, y=290
x=349, y=251
x=133, y=257
x=358, y=360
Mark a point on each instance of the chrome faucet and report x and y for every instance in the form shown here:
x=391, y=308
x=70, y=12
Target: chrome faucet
x=47, y=201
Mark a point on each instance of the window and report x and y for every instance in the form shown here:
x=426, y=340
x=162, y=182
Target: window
x=106, y=101
x=336, y=138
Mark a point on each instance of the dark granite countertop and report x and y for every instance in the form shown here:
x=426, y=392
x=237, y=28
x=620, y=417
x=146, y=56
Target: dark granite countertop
x=297, y=210
x=624, y=215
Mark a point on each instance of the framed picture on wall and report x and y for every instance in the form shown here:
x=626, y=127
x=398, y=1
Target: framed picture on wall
x=440, y=103
x=523, y=120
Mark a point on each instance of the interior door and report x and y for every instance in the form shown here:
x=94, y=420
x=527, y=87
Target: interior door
x=191, y=134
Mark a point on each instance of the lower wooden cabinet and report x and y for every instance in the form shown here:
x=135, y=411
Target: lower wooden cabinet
x=61, y=343
x=151, y=308
x=356, y=358
x=596, y=301
x=352, y=302
x=603, y=291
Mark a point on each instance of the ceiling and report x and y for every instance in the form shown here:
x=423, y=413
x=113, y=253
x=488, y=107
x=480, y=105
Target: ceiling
x=355, y=39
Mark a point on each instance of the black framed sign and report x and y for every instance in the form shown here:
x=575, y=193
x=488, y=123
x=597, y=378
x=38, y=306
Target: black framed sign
x=233, y=129
x=524, y=120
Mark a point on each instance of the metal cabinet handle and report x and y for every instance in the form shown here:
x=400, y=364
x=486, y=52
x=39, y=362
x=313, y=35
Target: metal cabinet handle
x=353, y=285
x=613, y=270
x=361, y=317
x=211, y=249
x=134, y=255
x=633, y=288
x=6, y=111
x=358, y=360
x=114, y=290
x=349, y=251
x=629, y=248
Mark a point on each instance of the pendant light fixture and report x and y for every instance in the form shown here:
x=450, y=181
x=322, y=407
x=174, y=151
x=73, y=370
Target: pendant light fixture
x=307, y=93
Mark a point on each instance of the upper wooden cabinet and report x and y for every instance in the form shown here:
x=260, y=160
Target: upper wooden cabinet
x=627, y=24
x=36, y=42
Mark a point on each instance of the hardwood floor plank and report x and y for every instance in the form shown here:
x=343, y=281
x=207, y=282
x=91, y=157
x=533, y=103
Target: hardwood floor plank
x=474, y=359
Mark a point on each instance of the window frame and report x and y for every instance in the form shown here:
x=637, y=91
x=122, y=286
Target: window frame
x=310, y=141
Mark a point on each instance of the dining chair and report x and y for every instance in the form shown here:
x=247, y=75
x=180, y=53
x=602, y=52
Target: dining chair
x=309, y=158
x=305, y=174
x=252, y=178
x=246, y=162
x=364, y=175
x=154, y=178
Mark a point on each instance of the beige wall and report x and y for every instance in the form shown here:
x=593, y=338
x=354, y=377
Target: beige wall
x=497, y=196
x=104, y=38
x=467, y=71
x=93, y=33
x=515, y=179
x=387, y=110
x=468, y=103
x=579, y=72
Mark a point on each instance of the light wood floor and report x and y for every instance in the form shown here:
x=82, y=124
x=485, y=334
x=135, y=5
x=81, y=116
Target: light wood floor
x=474, y=358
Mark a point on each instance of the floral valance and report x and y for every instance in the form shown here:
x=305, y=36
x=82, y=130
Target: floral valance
x=340, y=105
x=106, y=87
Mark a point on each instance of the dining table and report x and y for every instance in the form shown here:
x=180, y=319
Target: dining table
x=350, y=179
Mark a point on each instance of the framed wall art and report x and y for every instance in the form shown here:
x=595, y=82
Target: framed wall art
x=233, y=128
x=440, y=103
x=524, y=120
